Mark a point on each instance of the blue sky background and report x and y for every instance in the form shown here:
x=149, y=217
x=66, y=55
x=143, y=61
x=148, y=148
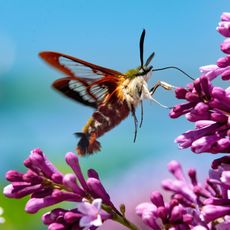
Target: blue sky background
x=182, y=33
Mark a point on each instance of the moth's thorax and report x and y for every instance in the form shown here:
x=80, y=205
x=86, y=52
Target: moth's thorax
x=135, y=89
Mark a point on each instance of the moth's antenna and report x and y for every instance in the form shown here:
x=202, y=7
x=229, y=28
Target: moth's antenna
x=141, y=45
x=149, y=58
x=174, y=67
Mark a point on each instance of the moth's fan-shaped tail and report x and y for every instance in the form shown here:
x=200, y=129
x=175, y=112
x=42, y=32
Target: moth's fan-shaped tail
x=88, y=144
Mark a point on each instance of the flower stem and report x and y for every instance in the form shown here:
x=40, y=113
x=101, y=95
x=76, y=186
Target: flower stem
x=122, y=220
x=119, y=217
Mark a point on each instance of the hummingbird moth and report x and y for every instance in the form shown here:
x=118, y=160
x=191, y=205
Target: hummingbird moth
x=112, y=94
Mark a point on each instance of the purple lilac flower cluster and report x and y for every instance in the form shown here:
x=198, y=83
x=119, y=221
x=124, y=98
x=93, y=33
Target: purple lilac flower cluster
x=48, y=186
x=208, y=105
x=223, y=64
x=193, y=205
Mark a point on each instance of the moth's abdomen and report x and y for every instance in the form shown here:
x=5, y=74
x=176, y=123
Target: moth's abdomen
x=87, y=144
x=106, y=117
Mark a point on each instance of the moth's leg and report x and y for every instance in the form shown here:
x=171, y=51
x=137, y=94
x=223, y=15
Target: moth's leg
x=135, y=123
x=163, y=85
x=142, y=114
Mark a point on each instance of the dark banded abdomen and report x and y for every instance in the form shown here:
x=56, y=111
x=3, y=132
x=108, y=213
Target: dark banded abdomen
x=103, y=119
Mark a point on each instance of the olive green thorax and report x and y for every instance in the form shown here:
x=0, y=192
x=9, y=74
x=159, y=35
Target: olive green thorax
x=132, y=73
x=139, y=71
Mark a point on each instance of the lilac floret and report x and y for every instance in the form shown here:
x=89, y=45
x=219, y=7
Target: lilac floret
x=72, y=161
x=225, y=46
x=57, y=196
x=97, y=190
x=225, y=16
x=92, y=214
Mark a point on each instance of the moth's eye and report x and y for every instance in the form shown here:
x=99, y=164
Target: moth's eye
x=140, y=71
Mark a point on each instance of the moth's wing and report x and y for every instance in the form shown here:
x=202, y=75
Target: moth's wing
x=86, y=83
x=75, y=89
x=76, y=67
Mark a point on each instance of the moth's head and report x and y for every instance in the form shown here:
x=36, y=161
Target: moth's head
x=144, y=68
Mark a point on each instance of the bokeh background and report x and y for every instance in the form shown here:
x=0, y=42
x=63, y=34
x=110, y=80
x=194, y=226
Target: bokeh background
x=182, y=33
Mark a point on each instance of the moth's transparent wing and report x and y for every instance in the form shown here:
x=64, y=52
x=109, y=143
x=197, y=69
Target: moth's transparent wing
x=86, y=83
